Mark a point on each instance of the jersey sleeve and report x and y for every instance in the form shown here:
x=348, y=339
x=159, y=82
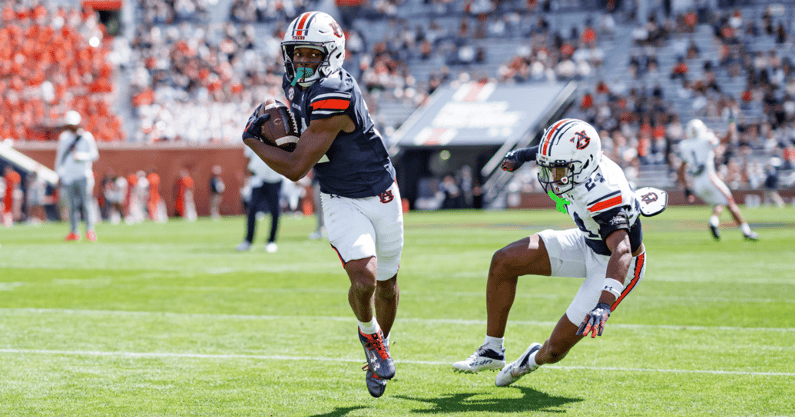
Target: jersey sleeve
x=610, y=213
x=611, y=220
x=332, y=97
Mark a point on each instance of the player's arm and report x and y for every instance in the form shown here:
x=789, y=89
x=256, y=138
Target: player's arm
x=313, y=144
x=517, y=157
x=615, y=232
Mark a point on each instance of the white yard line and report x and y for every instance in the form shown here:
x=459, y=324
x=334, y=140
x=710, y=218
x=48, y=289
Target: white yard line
x=31, y=311
x=163, y=355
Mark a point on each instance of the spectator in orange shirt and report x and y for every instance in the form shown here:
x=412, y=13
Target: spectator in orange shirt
x=184, y=200
x=153, y=204
x=11, y=201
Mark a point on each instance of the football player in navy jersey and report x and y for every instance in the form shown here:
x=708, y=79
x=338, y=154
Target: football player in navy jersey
x=361, y=203
x=606, y=249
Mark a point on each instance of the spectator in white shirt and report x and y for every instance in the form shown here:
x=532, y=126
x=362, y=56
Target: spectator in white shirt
x=74, y=160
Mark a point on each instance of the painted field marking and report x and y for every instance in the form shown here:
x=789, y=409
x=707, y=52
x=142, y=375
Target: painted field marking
x=167, y=355
x=23, y=311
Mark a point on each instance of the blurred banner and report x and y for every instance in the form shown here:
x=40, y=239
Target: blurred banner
x=482, y=114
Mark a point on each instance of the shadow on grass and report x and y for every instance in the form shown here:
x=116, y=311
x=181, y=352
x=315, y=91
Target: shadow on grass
x=340, y=412
x=531, y=400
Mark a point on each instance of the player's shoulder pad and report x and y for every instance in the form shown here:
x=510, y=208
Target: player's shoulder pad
x=340, y=82
x=608, y=190
x=331, y=95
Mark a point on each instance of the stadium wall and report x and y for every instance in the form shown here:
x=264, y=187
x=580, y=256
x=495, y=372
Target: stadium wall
x=167, y=160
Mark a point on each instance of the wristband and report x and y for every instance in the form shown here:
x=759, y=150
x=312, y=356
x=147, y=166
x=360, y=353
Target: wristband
x=613, y=287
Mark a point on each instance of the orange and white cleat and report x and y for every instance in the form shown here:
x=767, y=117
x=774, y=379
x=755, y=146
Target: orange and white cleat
x=91, y=236
x=72, y=236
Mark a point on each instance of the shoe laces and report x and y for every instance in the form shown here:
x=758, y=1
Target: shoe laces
x=376, y=342
x=481, y=350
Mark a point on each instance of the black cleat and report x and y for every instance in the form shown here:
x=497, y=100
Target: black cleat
x=715, y=232
x=375, y=385
x=752, y=236
x=378, y=359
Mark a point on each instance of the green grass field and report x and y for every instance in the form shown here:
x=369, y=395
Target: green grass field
x=168, y=320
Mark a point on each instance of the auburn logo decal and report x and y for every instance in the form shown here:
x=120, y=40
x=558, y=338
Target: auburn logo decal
x=648, y=198
x=337, y=29
x=386, y=196
x=582, y=140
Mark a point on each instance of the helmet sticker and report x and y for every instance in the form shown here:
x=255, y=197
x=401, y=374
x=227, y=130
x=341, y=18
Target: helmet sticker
x=582, y=140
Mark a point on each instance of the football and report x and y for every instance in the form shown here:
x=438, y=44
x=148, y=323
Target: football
x=280, y=130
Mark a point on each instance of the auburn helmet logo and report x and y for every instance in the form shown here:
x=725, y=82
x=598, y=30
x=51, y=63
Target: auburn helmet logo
x=582, y=140
x=648, y=198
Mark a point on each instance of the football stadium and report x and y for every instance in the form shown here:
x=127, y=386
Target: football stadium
x=446, y=159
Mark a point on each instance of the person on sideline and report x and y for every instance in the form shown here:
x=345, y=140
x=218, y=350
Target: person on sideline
x=605, y=249
x=266, y=186
x=217, y=188
x=361, y=203
x=697, y=151
x=74, y=161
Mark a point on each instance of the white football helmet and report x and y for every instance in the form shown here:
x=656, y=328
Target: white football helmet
x=696, y=129
x=569, y=152
x=314, y=30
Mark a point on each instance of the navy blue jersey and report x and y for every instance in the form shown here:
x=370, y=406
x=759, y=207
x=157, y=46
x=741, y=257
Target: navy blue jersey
x=357, y=164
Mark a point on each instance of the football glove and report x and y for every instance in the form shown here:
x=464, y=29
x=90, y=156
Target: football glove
x=254, y=126
x=594, y=321
x=511, y=162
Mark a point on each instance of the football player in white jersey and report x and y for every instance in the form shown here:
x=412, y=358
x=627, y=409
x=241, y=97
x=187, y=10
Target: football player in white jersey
x=698, y=159
x=605, y=249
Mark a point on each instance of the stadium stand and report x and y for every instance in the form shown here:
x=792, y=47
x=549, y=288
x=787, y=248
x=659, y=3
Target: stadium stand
x=189, y=70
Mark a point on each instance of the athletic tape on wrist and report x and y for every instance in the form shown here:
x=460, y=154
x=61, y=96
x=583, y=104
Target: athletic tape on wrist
x=613, y=287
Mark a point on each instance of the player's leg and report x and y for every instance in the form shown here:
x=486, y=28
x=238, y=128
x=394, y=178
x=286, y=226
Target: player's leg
x=527, y=256
x=361, y=273
x=387, y=297
x=352, y=234
x=523, y=257
x=567, y=256
x=386, y=215
x=734, y=209
x=714, y=220
x=564, y=336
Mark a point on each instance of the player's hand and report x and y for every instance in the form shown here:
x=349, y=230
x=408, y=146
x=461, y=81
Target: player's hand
x=594, y=322
x=254, y=127
x=510, y=162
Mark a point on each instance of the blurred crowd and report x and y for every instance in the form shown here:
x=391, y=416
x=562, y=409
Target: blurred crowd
x=54, y=59
x=194, y=79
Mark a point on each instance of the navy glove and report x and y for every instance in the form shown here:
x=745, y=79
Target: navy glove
x=510, y=162
x=514, y=159
x=254, y=126
x=594, y=322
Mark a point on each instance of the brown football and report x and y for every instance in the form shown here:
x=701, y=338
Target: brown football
x=281, y=129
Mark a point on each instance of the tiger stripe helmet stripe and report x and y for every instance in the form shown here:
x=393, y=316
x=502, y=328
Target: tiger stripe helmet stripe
x=554, y=135
x=303, y=23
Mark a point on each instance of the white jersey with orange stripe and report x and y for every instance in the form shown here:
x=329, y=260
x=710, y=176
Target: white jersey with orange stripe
x=603, y=204
x=699, y=154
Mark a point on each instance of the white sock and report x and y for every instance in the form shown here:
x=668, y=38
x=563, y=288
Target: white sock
x=745, y=228
x=386, y=341
x=371, y=327
x=532, y=359
x=494, y=343
x=714, y=220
